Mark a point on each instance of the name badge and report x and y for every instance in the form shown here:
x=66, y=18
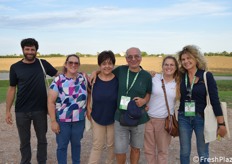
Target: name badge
x=189, y=108
x=124, y=102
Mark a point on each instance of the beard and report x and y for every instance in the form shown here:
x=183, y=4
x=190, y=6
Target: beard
x=29, y=57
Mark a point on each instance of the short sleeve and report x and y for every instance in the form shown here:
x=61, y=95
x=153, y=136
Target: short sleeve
x=13, y=76
x=54, y=85
x=50, y=70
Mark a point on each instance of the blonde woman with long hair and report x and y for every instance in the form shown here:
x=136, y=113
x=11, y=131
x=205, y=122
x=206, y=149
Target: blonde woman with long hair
x=193, y=102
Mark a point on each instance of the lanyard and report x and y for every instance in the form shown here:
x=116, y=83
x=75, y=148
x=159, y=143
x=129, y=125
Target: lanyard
x=127, y=81
x=186, y=84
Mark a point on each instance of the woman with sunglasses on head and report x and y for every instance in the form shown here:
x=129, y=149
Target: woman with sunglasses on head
x=156, y=138
x=193, y=102
x=67, y=101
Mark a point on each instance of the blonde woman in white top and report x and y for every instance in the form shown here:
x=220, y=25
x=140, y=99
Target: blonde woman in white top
x=157, y=140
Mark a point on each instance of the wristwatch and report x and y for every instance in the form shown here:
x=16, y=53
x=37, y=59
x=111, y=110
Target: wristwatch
x=222, y=124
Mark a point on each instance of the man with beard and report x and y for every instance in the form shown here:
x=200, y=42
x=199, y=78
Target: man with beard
x=31, y=102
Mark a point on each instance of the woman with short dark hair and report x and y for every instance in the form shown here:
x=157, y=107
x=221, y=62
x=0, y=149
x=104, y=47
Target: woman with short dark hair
x=102, y=108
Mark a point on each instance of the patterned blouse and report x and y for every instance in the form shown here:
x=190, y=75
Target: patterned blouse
x=72, y=97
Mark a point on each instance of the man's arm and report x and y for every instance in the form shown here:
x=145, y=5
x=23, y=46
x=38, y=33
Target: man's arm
x=142, y=101
x=93, y=76
x=10, y=96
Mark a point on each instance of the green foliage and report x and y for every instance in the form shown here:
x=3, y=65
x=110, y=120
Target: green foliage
x=224, y=53
x=143, y=53
x=51, y=55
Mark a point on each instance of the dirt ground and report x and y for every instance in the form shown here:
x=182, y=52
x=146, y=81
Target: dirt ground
x=9, y=146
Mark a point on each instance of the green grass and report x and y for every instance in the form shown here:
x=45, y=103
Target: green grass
x=226, y=97
x=224, y=87
x=3, y=89
x=222, y=74
x=3, y=94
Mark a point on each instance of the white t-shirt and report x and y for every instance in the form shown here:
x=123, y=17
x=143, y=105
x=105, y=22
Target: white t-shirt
x=157, y=105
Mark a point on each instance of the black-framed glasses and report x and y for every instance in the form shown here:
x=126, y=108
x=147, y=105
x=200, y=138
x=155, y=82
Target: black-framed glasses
x=131, y=57
x=73, y=63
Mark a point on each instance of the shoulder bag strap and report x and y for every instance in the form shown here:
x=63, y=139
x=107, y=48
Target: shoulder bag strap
x=45, y=79
x=165, y=96
x=206, y=87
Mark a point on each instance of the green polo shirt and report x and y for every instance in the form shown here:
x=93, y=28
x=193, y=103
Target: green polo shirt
x=141, y=87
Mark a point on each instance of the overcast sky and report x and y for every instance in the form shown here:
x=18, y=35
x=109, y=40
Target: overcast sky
x=91, y=26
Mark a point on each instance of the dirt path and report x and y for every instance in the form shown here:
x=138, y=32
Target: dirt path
x=9, y=145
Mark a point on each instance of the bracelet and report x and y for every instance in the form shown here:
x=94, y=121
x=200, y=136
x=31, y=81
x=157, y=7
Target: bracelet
x=53, y=120
x=222, y=124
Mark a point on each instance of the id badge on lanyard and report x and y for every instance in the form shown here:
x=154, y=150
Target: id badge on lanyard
x=124, y=102
x=125, y=99
x=189, y=108
x=189, y=105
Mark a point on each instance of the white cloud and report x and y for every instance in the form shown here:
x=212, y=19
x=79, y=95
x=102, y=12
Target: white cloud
x=66, y=27
x=108, y=16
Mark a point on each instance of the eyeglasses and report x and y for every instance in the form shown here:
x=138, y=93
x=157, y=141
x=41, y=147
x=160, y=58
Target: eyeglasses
x=131, y=57
x=169, y=65
x=73, y=63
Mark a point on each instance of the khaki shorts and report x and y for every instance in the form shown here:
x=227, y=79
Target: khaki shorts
x=125, y=136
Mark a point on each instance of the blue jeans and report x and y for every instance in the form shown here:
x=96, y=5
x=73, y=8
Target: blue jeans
x=186, y=127
x=73, y=132
x=23, y=122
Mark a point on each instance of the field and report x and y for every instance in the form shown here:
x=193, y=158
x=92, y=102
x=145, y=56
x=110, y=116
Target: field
x=9, y=153
x=216, y=64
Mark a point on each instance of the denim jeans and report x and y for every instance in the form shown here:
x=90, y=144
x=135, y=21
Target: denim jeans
x=69, y=132
x=186, y=127
x=23, y=122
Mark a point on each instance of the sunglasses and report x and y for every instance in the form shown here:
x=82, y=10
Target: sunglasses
x=73, y=63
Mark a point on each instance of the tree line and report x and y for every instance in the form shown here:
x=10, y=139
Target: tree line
x=144, y=54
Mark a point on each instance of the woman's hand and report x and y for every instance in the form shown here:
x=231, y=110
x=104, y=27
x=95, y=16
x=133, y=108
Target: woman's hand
x=152, y=73
x=55, y=127
x=222, y=131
